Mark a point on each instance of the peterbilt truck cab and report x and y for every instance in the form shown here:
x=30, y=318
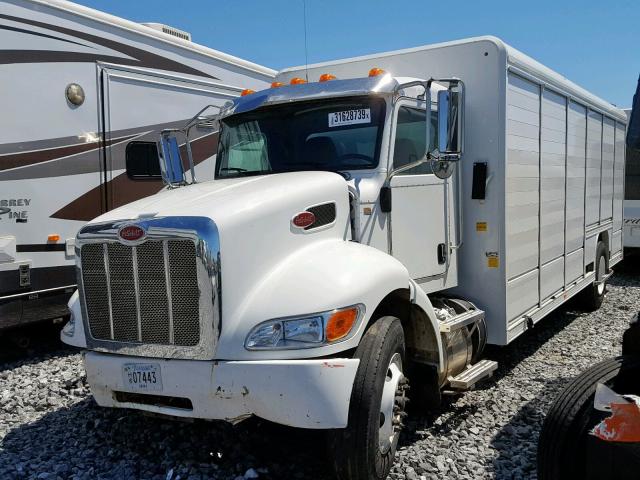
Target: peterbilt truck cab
x=286, y=288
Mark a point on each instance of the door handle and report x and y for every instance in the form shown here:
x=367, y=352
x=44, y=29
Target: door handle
x=442, y=253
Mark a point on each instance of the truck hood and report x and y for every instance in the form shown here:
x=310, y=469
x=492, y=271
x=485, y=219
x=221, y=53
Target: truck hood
x=230, y=200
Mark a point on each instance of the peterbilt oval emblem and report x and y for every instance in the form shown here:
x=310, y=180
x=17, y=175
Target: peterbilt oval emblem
x=304, y=219
x=131, y=233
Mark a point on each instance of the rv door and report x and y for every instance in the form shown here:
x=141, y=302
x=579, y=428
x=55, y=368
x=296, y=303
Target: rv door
x=137, y=107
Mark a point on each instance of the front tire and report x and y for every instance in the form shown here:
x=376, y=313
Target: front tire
x=365, y=449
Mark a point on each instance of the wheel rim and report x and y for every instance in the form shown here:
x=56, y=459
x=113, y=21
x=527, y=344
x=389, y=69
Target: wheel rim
x=392, y=405
x=602, y=265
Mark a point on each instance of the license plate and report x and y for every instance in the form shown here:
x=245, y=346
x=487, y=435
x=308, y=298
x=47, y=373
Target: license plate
x=144, y=377
x=350, y=117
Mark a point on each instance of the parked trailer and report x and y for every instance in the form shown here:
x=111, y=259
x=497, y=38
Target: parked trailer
x=632, y=198
x=88, y=93
x=380, y=224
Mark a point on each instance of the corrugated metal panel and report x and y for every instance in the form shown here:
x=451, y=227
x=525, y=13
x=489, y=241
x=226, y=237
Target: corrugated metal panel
x=618, y=180
x=522, y=176
x=606, y=195
x=576, y=141
x=552, y=176
x=574, y=266
x=522, y=293
x=552, y=278
x=594, y=165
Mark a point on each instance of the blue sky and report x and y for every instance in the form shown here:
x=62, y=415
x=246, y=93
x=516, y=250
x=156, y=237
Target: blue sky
x=595, y=44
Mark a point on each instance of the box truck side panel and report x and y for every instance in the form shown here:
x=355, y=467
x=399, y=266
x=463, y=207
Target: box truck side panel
x=608, y=147
x=594, y=166
x=522, y=177
x=576, y=151
x=552, y=181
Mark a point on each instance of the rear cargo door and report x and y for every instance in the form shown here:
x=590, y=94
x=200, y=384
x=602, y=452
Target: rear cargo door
x=418, y=216
x=136, y=107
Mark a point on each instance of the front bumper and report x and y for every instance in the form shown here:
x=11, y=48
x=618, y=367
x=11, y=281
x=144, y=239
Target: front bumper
x=298, y=393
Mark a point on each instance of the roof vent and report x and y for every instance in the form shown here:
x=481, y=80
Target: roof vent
x=169, y=30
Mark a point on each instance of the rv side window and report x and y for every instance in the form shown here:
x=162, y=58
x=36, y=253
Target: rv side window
x=410, y=135
x=142, y=161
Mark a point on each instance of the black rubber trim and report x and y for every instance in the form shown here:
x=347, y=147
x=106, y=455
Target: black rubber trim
x=41, y=247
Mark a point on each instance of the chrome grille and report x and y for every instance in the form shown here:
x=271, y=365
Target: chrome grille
x=142, y=294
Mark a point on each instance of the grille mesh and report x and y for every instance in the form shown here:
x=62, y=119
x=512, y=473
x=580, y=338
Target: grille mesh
x=155, y=261
x=325, y=214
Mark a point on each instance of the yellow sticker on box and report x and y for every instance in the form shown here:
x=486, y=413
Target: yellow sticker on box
x=493, y=261
x=481, y=226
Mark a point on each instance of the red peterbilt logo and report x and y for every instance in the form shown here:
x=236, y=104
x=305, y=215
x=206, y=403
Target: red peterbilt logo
x=303, y=219
x=131, y=233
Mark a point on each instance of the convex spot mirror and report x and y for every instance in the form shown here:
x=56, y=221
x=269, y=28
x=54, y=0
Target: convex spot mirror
x=450, y=121
x=171, y=161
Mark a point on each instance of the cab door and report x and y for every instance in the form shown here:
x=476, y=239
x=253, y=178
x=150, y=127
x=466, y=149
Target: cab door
x=418, y=218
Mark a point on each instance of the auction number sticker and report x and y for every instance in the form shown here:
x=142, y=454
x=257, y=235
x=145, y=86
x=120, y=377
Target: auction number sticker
x=350, y=117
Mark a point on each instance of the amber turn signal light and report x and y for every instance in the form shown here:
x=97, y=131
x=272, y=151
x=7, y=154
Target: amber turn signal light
x=54, y=237
x=247, y=91
x=297, y=81
x=277, y=84
x=340, y=323
x=325, y=77
x=374, y=72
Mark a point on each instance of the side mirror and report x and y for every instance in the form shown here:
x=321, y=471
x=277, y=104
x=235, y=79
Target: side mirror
x=450, y=121
x=171, y=161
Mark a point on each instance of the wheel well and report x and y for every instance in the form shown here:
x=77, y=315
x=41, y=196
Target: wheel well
x=604, y=237
x=420, y=338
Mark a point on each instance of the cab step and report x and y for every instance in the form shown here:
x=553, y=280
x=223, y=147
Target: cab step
x=472, y=375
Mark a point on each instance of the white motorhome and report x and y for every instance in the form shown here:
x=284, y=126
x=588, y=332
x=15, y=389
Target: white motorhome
x=84, y=95
x=381, y=221
x=632, y=199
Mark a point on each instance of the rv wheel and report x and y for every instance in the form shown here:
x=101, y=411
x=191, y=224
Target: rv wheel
x=593, y=295
x=366, y=448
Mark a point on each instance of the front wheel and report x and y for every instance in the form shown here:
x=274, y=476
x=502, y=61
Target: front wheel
x=366, y=447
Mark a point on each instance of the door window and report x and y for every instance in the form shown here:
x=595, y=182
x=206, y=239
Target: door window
x=410, y=135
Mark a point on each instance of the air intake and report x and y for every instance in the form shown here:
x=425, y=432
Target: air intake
x=169, y=30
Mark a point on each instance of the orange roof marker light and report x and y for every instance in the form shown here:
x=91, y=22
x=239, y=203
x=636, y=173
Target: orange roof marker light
x=325, y=77
x=374, y=72
x=247, y=91
x=297, y=81
x=54, y=237
x=277, y=84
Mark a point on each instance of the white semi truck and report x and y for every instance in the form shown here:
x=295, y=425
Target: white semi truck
x=372, y=221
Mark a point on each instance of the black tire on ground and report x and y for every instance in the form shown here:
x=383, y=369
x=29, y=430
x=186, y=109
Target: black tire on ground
x=355, y=450
x=591, y=297
x=562, y=447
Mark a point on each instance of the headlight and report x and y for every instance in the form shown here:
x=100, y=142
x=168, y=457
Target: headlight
x=305, y=331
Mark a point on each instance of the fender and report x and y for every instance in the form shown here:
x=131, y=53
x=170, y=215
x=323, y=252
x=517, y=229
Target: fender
x=73, y=331
x=322, y=276
x=422, y=301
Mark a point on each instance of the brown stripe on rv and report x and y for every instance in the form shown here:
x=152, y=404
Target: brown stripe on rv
x=23, y=159
x=138, y=56
x=88, y=206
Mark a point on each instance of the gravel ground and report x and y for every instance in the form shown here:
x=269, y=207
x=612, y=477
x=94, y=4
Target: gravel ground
x=50, y=428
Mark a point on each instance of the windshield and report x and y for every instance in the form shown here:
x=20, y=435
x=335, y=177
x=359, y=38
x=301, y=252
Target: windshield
x=339, y=135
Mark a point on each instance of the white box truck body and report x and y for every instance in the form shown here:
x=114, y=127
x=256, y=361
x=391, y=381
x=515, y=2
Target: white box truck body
x=64, y=163
x=380, y=224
